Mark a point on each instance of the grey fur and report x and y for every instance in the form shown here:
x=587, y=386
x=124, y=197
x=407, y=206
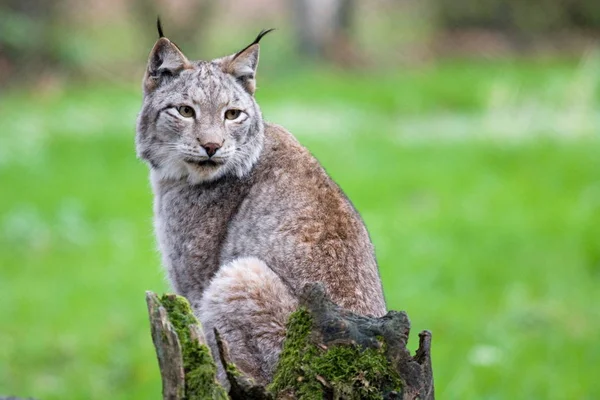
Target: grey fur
x=241, y=238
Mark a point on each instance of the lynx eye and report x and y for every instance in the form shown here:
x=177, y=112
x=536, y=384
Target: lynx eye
x=186, y=111
x=232, y=114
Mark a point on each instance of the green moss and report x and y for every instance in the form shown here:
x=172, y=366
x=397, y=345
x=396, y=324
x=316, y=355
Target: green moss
x=349, y=371
x=232, y=369
x=199, y=367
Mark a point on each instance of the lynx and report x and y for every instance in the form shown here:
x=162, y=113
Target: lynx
x=244, y=215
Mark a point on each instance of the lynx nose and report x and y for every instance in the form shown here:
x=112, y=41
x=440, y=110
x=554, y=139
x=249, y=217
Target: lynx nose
x=211, y=148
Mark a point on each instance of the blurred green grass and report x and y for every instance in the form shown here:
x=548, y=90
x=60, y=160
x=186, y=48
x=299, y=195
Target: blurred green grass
x=479, y=182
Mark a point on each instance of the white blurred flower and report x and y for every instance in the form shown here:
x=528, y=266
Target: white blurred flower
x=485, y=355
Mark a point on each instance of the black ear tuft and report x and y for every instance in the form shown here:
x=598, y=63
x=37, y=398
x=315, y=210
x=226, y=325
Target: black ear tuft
x=260, y=36
x=159, y=27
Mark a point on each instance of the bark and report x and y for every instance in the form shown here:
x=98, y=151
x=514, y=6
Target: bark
x=329, y=353
x=168, y=349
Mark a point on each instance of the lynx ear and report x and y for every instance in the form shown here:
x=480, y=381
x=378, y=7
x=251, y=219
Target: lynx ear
x=242, y=65
x=165, y=61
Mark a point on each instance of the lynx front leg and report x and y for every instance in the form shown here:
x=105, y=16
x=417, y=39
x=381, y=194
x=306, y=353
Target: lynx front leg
x=249, y=305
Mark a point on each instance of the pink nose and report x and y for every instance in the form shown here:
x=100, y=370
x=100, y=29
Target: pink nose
x=211, y=148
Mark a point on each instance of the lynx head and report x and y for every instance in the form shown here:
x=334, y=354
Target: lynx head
x=199, y=119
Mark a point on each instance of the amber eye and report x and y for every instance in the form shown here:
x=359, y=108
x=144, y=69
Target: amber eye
x=232, y=114
x=186, y=111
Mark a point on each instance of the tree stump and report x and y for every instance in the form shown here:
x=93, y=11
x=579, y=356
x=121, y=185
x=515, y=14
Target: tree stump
x=329, y=353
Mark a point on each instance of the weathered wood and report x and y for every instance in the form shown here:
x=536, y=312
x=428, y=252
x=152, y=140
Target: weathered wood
x=168, y=349
x=187, y=369
x=386, y=338
x=370, y=353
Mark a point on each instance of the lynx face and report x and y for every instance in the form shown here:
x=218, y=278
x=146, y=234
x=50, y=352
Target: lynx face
x=199, y=119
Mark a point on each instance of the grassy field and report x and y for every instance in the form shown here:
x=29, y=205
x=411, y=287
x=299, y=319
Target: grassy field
x=479, y=182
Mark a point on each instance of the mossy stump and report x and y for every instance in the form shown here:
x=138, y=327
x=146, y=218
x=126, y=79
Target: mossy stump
x=329, y=353
x=187, y=369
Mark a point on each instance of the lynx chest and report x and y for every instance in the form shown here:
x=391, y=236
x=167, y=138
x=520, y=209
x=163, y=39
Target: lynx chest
x=191, y=225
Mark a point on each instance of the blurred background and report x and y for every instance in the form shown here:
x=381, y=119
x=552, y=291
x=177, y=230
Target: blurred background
x=466, y=132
